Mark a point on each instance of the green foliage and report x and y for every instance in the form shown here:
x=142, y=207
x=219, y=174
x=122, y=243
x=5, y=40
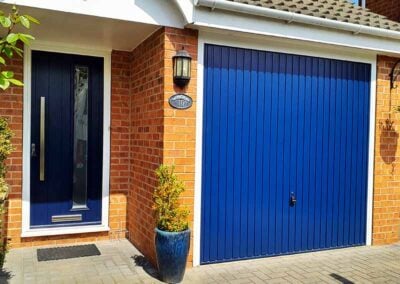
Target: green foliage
x=5, y=145
x=3, y=210
x=3, y=193
x=5, y=150
x=10, y=41
x=168, y=212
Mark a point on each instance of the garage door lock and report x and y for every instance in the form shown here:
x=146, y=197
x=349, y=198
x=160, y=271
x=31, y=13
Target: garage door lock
x=293, y=199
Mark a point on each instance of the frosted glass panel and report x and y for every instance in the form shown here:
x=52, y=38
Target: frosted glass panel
x=79, y=198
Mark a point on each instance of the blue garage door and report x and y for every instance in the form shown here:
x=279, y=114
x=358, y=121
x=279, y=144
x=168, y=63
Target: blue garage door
x=285, y=153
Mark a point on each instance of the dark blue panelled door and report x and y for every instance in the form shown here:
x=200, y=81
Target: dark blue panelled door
x=66, y=137
x=285, y=148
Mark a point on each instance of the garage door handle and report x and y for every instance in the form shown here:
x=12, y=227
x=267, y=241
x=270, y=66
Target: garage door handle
x=293, y=199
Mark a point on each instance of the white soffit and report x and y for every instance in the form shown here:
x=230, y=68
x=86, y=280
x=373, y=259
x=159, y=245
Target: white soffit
x=86, y=31
x=155, y=12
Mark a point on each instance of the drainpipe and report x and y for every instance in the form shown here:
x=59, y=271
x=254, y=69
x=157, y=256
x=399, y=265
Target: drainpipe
x=295, y=17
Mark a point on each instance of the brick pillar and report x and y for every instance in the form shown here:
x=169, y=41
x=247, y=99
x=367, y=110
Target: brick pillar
x=159, y=133
x=386, y=200
x=180, y=125
x=146, y=136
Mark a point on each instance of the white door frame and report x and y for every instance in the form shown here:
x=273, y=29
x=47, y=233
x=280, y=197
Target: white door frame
x=70, y=49
x=264, y=43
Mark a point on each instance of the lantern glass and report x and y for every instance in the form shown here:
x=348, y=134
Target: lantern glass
x=181, y=63
x=179, y=67
x=186, y=67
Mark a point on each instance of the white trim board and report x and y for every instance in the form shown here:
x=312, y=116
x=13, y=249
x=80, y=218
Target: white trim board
x=154, y=12
x=271, y=45
x=64, y=48
x=229, y=22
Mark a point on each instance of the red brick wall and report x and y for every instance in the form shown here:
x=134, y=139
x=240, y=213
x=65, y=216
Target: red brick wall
x=11, y=108
x=388, y=8
x=120, y=141
x=159, y=134
x=180, y=125
x=147, y=93
x=386, y=204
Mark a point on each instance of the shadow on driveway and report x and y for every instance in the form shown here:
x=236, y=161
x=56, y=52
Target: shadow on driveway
x=341, y=279
x=5, y=275
x=141, y=261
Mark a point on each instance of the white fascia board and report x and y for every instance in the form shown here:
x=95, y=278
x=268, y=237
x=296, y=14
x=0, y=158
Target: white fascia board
x=187, y=9
x=228, y=21
x=155, y=12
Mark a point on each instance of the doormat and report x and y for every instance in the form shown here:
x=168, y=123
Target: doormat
x=67, y=252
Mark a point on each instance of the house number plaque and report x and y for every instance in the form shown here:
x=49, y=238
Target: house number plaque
x=180, y=101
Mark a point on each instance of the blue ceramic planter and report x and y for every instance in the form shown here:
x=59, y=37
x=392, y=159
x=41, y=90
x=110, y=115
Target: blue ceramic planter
x=172, y=249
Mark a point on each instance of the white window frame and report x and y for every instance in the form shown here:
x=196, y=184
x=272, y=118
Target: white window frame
x=264, y=43
x=69, y=49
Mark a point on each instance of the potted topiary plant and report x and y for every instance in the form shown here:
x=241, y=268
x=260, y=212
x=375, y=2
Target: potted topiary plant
x=172, y=239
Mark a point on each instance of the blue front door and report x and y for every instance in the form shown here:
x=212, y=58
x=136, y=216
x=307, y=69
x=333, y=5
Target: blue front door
x=66, y=140
x=285, y=153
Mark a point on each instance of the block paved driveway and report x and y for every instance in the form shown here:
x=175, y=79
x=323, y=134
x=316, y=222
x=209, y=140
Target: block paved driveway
x=120, y=262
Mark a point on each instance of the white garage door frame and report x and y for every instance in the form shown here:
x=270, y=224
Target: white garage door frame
x=275, y=45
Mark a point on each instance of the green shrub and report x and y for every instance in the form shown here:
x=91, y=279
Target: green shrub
x=5, y=151
x=168, y=212
x=3, y=211
x=5, y=144
x=3, y=193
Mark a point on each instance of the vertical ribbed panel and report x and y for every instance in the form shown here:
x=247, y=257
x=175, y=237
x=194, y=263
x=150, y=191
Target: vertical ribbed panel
x=274, y=124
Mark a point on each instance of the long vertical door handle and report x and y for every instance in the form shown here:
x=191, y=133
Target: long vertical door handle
x=42, y=138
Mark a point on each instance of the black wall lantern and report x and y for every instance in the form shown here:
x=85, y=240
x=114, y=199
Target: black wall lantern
x=182, y=64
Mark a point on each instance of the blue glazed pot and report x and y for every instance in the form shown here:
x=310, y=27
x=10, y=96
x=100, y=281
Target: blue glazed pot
x=172, y=249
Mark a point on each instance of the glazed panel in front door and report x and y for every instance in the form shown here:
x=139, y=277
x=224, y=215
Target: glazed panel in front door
x=66, y=140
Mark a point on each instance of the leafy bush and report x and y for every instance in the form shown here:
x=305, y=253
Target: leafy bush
x=5, y=150
x=3, y=210
x=168, y=212
x=9, y=43
x=5, y=144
